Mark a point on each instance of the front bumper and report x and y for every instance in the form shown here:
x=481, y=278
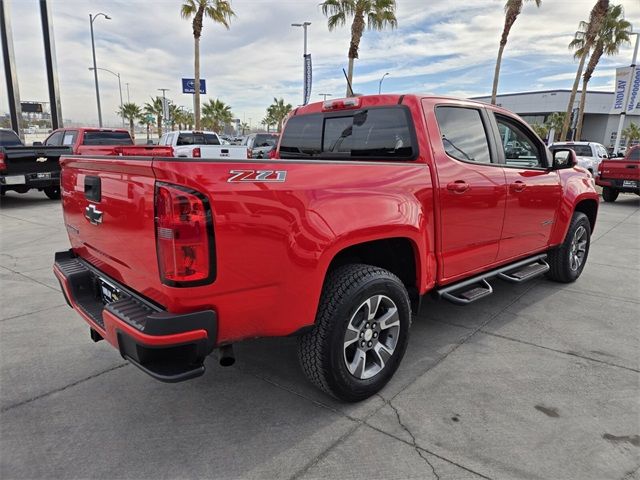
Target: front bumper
x=169, y=347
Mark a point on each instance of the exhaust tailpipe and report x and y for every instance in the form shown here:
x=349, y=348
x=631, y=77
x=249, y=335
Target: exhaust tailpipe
x=227, y=358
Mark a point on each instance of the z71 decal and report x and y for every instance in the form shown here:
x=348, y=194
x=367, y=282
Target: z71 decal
x=255, y=176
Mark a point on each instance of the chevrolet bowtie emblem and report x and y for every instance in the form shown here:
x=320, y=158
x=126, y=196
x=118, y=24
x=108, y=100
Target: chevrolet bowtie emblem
x=41, y=159
x=92, y=214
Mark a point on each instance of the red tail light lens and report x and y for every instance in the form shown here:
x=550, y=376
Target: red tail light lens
x=184, y=236
x=3, y=165
x=249, y=153
x=197, y=153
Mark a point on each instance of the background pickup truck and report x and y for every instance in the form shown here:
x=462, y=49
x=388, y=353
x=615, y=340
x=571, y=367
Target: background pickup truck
x=201, y=145
x=103, y=141
x=23, y=168
x=588, y=154
x=374, y=202
x=620, y=175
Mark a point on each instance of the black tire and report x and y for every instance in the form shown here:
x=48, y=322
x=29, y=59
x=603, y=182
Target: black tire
x=609, y=194
x=563, y=268
x=322, y=351
x=52, y=192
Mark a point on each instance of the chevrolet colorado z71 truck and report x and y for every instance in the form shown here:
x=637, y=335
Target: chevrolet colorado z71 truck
x=618, y=175
x=23, y=168
x=373, y=202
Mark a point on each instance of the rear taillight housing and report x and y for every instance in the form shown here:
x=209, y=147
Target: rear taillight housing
x=249, y=153
x=184, y=236
x=197, y=153
x=3, y=165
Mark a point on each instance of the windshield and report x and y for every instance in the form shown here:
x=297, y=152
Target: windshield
x=107, y=138
x=379, y=133
x=8, y=138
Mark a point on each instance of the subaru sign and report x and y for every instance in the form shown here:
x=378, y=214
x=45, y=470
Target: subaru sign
x=189, y=84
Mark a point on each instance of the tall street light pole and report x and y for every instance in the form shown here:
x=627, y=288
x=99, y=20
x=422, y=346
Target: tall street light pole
x=95, y=68
x=623, y=114
x=380, y=84
x=304, y=58
x=119, y=87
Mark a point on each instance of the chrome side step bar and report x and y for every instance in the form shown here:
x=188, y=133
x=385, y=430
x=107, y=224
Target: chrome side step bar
x=475, y=288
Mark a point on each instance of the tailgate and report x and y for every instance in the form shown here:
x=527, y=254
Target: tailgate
x=621, y=169
x=227, y=152
x=25, y=160
x=109, y=215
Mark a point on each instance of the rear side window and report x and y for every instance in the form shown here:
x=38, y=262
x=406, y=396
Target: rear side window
x=377, y=133
x=263, y=140
x=463, y=134
x=580, y=150
x=69, y=137
x=107, y=138
x=635, y=154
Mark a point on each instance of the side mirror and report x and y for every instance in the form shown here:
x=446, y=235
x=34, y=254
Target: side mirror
x=563, y=158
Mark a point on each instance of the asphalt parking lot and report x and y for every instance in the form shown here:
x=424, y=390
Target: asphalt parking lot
x=540, y=380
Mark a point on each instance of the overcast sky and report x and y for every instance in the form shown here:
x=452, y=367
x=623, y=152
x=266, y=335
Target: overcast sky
x=440, y=46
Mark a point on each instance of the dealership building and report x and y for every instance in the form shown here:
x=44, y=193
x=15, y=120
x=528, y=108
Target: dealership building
x=600, y=125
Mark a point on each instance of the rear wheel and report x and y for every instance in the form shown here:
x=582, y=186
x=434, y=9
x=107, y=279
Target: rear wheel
x=52, y=192
x=609, y=194
x=360, y=335
x=568, y=260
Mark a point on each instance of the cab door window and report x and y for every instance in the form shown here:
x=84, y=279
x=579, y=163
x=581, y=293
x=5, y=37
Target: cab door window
x=519, y=147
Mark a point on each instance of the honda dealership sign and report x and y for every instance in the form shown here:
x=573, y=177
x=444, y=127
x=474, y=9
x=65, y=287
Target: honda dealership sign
x=627, y=89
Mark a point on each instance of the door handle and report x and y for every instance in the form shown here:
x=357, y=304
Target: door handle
x=518, y=186
x=459, y=186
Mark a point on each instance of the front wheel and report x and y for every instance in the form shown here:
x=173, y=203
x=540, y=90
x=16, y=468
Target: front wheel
x=568, y=260
x=360, y=335
x=609, y=194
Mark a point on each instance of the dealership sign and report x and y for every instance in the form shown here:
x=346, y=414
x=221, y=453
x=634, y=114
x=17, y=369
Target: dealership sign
x=307, y=78
x=189, y=86
x=627, y=88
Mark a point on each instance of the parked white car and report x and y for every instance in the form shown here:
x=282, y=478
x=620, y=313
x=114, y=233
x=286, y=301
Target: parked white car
x=588, y=154
x=192, y=144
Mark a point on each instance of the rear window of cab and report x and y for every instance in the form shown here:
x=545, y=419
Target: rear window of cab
x=381, y=133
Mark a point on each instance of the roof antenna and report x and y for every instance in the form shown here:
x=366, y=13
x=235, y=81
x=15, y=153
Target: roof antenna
x=348, y=82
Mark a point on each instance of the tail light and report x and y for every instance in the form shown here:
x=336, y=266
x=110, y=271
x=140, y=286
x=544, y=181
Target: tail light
x=273, y=153
x=3, y=165
x=184, y=236
x=249, y=153
x=599, y=169
x=341, y=104
x=197, y=153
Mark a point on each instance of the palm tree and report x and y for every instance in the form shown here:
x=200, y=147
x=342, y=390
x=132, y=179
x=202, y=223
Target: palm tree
x=216, y=114
x=541, y=129
x=555, y=122
x=131, y=112
x=588, y=38
x=379, y=14
x=631, y=133
x=511, y=11
x=217, y=10
x=146, y=121
x=278, y=111
x=154, y=108
x=614, y=32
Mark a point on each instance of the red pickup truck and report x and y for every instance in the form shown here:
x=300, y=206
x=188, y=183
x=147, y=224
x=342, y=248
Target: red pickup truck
x=617, y=175
x=103, y=141
x=373, y=203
